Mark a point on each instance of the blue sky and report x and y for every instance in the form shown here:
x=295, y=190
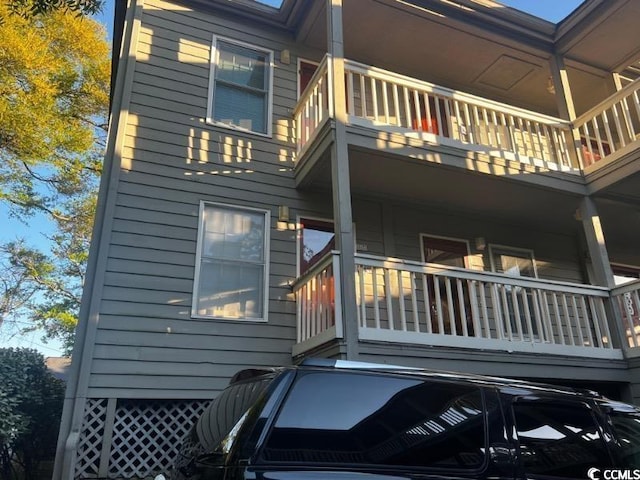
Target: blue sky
x=10, y=229
x=551, y=10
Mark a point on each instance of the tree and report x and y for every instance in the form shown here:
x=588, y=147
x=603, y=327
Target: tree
x=31, y=402
x=31, y=8
x=54, y=84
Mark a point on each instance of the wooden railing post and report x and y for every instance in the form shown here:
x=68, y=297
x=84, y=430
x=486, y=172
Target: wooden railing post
x=564, y=100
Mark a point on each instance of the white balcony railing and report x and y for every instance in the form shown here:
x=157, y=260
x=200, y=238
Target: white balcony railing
x=381, y=98
x=388, y=101
x=611, y=126
x=628, y=301
x=317, y=292
x=410, y=302
x=313, y=107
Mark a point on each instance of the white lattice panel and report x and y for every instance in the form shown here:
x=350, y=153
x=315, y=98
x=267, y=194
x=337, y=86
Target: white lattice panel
x=90, y=443
x=147, y=434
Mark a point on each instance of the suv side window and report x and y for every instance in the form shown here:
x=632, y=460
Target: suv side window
x=561, y=440
x=382, y=420
x=625, y=423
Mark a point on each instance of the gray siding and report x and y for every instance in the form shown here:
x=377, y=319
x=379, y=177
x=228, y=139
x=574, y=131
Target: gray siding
x=147, y=345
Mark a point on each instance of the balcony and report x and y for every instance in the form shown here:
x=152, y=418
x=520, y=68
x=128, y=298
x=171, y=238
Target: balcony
x=406, y=302
x=395, y=104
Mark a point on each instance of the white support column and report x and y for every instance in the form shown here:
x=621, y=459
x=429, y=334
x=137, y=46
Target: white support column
x=340, y=180
x=564, y=100
x=601, y=266
x=603, y=275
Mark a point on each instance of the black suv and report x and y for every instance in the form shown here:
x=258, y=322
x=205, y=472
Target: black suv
x=346, y=420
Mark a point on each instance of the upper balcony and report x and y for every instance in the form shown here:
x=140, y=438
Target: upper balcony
x=396, y=109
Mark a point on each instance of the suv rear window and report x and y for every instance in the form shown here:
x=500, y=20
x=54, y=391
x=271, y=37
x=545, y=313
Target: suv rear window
x=379, y=420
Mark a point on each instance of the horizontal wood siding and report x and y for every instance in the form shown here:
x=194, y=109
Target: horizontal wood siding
x=147, y=345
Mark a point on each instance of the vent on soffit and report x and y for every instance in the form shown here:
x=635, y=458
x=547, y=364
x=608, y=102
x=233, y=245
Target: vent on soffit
x=505, y=73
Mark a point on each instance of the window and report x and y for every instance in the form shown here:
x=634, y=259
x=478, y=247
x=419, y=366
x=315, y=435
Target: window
x=240, y=86
x=517, y=262
x=316, y=238
x=231, y=268
x=558, y=440
x=445, y=251
x=626, y=427
x=379, y=420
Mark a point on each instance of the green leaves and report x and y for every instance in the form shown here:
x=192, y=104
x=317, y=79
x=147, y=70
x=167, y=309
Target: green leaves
x=30, y=8
x=30, y=408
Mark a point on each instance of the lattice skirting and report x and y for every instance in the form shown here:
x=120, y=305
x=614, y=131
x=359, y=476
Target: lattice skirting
x=123, y=438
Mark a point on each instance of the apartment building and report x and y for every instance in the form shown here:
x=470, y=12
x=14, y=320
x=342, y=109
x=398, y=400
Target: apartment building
x=445, y=184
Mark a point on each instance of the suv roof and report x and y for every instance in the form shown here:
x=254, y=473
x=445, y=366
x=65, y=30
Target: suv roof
x=510, y=384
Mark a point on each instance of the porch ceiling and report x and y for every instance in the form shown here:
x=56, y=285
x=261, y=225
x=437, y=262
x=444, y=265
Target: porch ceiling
x=605, y=36
x=431, y=43
x=451, y=189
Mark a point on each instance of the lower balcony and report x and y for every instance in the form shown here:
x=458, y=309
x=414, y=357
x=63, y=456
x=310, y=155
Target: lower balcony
x=412, y=303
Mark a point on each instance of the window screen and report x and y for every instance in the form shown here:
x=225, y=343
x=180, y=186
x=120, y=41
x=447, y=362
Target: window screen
x=558, y=440
x=379, y=420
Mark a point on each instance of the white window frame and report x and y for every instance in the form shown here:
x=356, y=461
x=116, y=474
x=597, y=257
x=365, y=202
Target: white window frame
x=516, y=250
x=212, y=81
x=441, y=237
x=199, y=245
